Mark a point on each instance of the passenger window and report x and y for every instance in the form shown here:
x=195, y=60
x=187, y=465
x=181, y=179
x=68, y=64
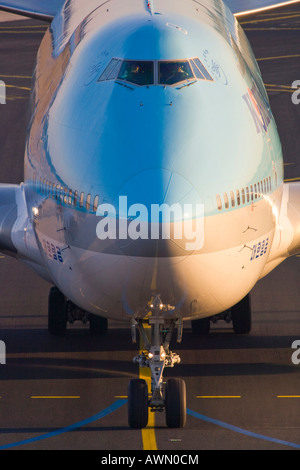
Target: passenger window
x=66, y=196
x=238, y=197
x=173, y=72
x=75, y=197
x=243, y=196
x=81, y=199
x=137, y=72
x=88, y=202
x=232, y=199
x=96, y=202
x=219, y=202
x=226, y=201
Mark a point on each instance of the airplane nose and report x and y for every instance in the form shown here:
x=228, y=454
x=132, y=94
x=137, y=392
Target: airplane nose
x=155, y=213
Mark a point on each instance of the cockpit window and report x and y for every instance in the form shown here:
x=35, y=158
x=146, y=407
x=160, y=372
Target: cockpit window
x=111, y=70
x=156, y=72
x=173, y=72
x=137, y=72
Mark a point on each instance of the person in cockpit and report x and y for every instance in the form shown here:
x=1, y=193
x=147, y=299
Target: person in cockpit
x=174, y=72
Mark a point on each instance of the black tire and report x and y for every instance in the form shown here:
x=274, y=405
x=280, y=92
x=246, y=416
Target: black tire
x=201, y=326
x=175, y=401
x=57, y=312
x=241, y=316
x=98, y=325
x=137, y=403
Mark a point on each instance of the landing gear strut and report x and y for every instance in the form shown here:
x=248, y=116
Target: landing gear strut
x=157, y=356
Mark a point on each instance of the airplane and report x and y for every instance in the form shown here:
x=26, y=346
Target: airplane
x=153, y=185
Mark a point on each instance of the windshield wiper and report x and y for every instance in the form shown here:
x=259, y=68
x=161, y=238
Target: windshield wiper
x=186, y=84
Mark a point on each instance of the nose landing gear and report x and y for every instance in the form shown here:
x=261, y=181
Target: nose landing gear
x=170, y=398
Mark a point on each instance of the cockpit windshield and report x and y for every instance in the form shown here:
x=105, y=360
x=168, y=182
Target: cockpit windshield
x=137, y=72
x=155, y=72
x=172, y=72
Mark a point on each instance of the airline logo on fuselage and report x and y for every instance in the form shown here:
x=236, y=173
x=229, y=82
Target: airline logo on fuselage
x=258, y=108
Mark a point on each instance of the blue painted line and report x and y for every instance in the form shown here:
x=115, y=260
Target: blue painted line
x=110, y=409
x=240, y=430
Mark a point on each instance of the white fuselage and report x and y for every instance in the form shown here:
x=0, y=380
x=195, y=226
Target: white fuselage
x=209, y=140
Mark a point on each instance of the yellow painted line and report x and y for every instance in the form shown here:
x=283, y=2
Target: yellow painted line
x=148, y=433
x=53, y=396
x=288, y=87
x=219, y=396
x=292, y=179
x=288, y=396
x=16, y=76
x=263, y=9
x=272, y=29
x=279, y=57
x=281, y=90
x=13, y=98
x=23, y=27
x=276, y=13
x=22, y=32
x=284, y=87
x=297, y=15
x=121, y=396
x=14, y=86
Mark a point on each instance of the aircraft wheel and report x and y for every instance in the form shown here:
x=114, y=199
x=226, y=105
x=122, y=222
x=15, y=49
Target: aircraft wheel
x=57, y=314
x=241, y=316
x=98, y=325
x=175, y=401
x=137, y=403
